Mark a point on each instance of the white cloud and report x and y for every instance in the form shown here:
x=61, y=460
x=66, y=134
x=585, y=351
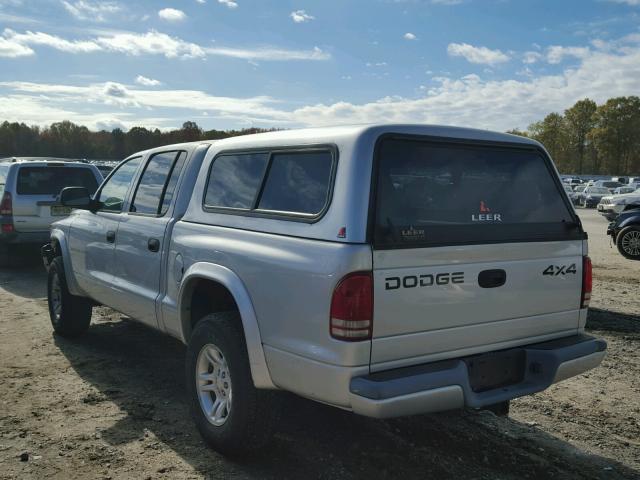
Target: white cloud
x=633, y=3
x=201, y=2
x=267, y=53
x=150, y=43
x=9, y=48
x=44, y=39
x=531, y=57
x=172, y=15
x=147, y=82
x=409, y=36
x=447, y=2
x=229, y=3
x=555, y=54
x=87, y=10
x=467, y=101
x=300, y=16
x=478, y=55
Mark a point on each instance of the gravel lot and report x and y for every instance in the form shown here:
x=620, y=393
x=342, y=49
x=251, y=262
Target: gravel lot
x=112, y=405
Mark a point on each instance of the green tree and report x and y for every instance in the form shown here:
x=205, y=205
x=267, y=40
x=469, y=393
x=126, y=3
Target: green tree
x=579, y=121
x=552, y=133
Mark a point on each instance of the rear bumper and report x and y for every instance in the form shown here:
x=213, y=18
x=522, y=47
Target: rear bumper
x=446, y=385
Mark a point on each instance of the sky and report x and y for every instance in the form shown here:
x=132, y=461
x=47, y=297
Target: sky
x=492, y=64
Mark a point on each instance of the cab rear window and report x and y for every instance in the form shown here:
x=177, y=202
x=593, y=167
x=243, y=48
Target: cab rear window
x=50, y=180
x=431, y=194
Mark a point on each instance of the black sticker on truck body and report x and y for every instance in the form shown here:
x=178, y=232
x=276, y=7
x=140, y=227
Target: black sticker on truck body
x=425, y=280
x=555, y=270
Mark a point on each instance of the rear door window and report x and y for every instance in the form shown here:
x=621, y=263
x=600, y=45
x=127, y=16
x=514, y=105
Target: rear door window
x=155, y=189
x=51, y=180
x=431, y=194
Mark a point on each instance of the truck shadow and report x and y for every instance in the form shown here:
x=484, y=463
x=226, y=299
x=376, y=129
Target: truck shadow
x=141, y=371
x=612, y=321
x=26, y=277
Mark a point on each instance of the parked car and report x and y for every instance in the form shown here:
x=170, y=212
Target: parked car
x=590, y=196
x=575, y=196
x=623, y=180
x=574, y=181
x=625, y=232
x=622, y=190
x=388, y=270
x=611, y=185
x=612, y=205
x=28, y=191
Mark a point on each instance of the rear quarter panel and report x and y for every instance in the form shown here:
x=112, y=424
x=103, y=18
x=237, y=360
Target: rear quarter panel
x=290, y=282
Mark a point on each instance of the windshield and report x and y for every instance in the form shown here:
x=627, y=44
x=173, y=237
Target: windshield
x=50, y=180
x=597, y=190
x=431, y=193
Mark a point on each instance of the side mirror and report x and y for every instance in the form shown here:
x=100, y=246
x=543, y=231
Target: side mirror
x=76, y=197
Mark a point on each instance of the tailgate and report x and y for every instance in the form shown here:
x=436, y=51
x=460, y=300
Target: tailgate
x=432, y=301
x=476, y=247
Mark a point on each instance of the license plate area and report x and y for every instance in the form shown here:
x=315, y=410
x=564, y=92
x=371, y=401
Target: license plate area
x=59, y=211
x=495, y=369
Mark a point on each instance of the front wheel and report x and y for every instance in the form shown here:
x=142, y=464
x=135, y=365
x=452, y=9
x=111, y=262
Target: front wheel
x=70, y=315
x=232, y=416
x=628, y=242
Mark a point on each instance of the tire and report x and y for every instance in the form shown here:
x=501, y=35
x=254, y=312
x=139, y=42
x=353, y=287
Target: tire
x=70, y=315
x=501, y=409
x=245, y=427
x=628, y=242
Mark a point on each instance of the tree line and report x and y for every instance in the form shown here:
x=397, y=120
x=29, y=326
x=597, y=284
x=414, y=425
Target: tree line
x=68, y=140
x=586, y=139
x=592, y=139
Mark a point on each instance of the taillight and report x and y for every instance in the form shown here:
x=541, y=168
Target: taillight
x=587, y=281
x=6, y=205
x=352, y=308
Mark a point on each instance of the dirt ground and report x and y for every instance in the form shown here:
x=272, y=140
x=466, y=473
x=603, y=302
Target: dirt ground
x=112, y=405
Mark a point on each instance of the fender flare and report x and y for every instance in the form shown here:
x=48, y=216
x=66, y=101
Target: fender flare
x=229, y=279
x=58, y=237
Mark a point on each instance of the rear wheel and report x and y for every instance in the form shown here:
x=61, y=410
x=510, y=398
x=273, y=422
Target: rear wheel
x=233, y=416
x=628, y=242
x=70, y=315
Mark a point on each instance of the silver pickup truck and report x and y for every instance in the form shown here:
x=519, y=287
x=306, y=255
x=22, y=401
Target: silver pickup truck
x=388, y=270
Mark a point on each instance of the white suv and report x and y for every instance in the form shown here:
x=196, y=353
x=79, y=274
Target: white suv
x=29, y=188
x=388, y=270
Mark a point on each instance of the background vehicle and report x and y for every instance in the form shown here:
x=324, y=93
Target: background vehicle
x=590, y=196
x=454, y=270
x=610, y=185
x=612, y=205
x=621, y=190
x=623, y=180
x=625, y=232
x=29, y=188
x=575, y=196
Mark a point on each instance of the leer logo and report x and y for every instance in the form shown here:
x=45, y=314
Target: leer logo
x=485, y=214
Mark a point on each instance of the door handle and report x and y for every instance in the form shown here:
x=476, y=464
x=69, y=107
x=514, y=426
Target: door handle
x=492, y=278
x=153, y=244
x=111, y=236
